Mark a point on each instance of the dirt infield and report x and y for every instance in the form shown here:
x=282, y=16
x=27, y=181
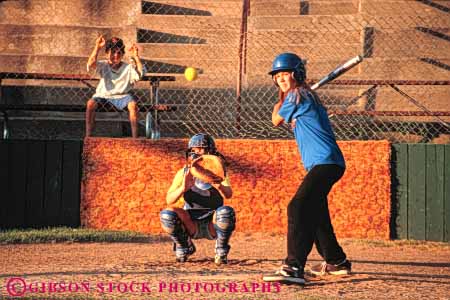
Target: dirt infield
x=382, y=270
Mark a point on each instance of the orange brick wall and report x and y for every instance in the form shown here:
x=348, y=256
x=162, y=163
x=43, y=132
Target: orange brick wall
x=125, y=181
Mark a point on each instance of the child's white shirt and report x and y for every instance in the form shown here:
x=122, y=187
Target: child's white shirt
x=115, y=83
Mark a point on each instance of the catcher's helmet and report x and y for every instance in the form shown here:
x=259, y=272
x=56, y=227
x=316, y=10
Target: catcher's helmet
x=289, y=62
x=202, y=140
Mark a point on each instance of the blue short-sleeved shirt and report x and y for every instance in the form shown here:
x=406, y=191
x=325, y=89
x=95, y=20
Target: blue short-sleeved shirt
x=313, y=133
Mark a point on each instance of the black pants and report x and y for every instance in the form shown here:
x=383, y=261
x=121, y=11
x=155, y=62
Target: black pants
x=309, y=218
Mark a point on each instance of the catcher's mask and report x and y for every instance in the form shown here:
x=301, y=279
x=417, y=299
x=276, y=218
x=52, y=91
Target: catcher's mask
x=201, y=140
x=289, y=62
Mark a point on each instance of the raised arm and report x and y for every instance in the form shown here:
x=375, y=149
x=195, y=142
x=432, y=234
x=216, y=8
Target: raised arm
x=92, y=61
x=137, y=61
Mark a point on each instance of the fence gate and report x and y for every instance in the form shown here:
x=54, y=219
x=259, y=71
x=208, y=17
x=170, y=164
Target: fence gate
x=421, y=191
x=40, y=183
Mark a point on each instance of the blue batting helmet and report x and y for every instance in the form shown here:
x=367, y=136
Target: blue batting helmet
x=289, y=62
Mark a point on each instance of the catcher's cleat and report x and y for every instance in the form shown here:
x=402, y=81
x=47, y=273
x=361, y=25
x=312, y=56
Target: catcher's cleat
x=182, y=254
x=182, y=259
x=220, y=260
x=343, y=268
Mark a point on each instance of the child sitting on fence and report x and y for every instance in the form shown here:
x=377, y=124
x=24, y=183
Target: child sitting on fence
x=116, y=80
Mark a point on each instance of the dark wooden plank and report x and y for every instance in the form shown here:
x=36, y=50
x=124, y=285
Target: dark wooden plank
x=15, y=206
x=400, y=191
x=70, y=200
x=53, y=173
x=45, y=76
x=4, y=181
x=447, y=193
x=142, y=107
x=35, y=188
x=416, y=191
x=435, y=192
x=152, y=77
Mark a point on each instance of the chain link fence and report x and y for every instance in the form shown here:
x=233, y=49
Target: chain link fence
x=400, y=91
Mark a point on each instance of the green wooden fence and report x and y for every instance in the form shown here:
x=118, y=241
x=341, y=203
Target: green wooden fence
x=40, y=183
x=421, y=192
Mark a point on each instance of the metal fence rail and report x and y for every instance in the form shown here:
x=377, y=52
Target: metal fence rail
x=399, y=92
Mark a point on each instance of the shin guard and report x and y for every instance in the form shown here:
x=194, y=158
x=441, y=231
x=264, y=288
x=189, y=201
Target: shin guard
x=171, y=223
x=225, y=224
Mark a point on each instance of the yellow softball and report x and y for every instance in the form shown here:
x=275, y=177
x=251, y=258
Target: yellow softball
x=190, y=73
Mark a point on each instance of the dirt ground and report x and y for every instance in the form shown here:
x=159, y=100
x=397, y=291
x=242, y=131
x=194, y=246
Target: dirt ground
x=381, y=270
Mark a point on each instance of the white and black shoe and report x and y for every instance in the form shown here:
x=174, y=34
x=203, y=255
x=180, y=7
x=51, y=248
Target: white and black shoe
x=286, y=274
x=323, y=269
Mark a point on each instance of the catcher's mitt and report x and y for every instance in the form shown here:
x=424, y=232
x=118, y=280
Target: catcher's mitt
x=208, y=168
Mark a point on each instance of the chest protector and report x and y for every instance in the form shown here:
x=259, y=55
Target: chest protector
x=209, y=199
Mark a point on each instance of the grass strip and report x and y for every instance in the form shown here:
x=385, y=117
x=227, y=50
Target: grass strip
x=66, y=234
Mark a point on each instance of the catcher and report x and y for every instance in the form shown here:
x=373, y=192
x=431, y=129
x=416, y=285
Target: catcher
x=195, y=197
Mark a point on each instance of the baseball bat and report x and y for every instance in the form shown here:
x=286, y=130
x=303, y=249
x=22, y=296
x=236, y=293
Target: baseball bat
x=338, y=71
